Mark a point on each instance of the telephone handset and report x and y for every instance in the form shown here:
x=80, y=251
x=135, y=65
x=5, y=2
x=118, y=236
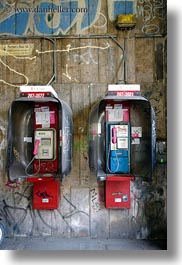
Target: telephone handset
x=119, y=136
x=45, y=144
x=114, y=135
x=36, y=146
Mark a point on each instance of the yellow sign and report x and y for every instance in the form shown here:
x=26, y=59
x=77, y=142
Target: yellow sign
x=19, y=50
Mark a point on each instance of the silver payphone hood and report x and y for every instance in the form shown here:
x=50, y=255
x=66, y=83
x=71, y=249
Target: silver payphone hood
x=142, y=155
x=20, y=136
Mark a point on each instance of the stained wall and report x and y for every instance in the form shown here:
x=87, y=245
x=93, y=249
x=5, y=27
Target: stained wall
x=78, y=53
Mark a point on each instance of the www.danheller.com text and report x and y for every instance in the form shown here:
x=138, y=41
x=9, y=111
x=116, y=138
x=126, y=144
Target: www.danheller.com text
x=48, y=9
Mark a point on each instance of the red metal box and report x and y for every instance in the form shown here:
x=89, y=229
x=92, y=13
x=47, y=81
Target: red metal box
x=118, y=192
x=46, y=195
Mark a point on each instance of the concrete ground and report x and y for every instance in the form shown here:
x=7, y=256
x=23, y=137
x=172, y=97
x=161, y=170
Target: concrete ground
x=57, y=243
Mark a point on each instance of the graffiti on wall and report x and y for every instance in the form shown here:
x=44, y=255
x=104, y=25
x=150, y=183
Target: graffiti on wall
x=148, y=209
x=46, y=17
x=16, y=209
x=152, y=14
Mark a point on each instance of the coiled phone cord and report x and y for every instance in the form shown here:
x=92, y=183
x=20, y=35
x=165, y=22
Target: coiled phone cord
x=109, y=151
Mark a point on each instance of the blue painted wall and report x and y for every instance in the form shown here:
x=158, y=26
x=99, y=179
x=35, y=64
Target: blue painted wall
x=56, y=17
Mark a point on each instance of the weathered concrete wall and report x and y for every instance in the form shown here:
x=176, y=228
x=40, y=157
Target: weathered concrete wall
x=82, y=76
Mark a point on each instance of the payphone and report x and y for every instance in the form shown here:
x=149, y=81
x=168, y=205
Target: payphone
x=45, y=144
x=121, y=141
x=39, y=141
x=118, y=151
x=45, y=138
x=117, y=137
